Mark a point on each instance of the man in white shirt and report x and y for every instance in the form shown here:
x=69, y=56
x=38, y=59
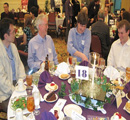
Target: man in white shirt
x=120, y=50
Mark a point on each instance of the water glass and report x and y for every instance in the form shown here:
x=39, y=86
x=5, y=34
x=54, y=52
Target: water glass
x=74, y=61
x=36, y=102
x=51, y=67
x=30, y=103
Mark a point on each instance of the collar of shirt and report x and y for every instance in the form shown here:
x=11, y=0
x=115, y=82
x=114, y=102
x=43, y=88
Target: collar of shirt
x=78, y=32
x=127, y=43
x=41, y=39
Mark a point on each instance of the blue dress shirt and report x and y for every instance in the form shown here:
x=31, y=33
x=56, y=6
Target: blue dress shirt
x=11, y=58
x=38, y=49
x=79, y=42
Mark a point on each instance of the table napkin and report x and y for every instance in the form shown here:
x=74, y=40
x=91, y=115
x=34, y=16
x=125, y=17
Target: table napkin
x=47, y=116
x=84, y=63
x=62, y=68
x=44, y=78
x=111, y=73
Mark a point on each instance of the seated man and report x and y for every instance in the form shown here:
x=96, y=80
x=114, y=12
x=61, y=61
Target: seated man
x=120, y=51
x=79, y=39
x=41, y=45
x=6, y=13
x=11, y=67
x=102, y=31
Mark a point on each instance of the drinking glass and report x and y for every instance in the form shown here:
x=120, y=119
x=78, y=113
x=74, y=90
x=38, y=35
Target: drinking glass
x=36, y=101
x=29, y=80
x=69, y=60
x=74, y=61
x=51, y=67
x=30, y=103
x=128, y=74
x=101, y=65
x=73, y=73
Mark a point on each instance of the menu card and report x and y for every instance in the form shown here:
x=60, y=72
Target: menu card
x=92, y=117
x=77, y=116
x=60, y=103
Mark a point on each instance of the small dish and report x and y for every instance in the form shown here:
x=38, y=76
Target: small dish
x=64, y=78
x=17, y=89
x=125, y=108
x=49, y=88
x=45, y=96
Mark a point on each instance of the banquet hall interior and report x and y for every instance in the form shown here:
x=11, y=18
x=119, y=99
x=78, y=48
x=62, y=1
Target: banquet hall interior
x=19, y=9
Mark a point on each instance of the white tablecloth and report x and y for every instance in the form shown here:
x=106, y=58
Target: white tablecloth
x=59, y=21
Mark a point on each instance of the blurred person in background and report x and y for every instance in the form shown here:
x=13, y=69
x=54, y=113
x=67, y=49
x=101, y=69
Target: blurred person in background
x=121, y=14
x=34, y=14
x=93, y=9
x=11, y=67
x=6, y=13
x=32, y=3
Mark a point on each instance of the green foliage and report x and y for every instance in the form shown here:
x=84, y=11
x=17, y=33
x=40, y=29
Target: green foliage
x=87, y=102
x=62, y=93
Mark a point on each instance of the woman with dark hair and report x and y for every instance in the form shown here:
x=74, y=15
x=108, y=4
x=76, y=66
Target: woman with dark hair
x=121, y=13
x=28, y=33
x=126, y=16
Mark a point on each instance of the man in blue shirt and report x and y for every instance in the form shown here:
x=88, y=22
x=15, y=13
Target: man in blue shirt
x=79, y=39
x=41, y=45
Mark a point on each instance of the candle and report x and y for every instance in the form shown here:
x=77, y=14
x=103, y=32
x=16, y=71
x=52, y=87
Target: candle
x=94, y=70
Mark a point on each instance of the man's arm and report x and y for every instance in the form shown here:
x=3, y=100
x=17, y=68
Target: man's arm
x=31, y=63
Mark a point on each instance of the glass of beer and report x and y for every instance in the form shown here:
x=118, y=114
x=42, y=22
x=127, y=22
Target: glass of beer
x=29, y=80
x=30, y=103
x=128, y=74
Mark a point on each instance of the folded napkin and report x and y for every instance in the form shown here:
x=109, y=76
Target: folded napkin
x=62, y=68
x=47, y=116
x=84, y=63
x=111, y=73
x=44, y=78
x=41, y=68
x=127, y=88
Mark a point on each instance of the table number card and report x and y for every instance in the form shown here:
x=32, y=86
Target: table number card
x=77, y=116
x=82, y=72
x=118, y=99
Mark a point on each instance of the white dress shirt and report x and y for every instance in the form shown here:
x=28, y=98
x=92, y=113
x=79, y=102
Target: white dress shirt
x=119, y=55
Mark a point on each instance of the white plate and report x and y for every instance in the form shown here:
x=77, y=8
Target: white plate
x=45, y=96
x=17, y=89
x=24, y=118
x=127, y=96
x=48, y=87
x=64, y=78
x=68, y=109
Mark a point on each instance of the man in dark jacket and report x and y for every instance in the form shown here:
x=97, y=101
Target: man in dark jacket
x=102, y=31
x=93, y=9
x=32, y=3
x=6, y=13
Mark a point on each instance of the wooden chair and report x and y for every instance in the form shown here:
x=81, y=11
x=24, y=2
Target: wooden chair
x=96, y=44
x=51, y=21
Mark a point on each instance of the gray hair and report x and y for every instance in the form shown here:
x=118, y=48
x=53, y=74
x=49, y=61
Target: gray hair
x=101, y=14
x=40, y=20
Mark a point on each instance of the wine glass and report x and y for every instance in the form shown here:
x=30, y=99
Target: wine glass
x=30, y=103
x=51, y=67
x=101, y=65
x=29, y=80
x=36, y=102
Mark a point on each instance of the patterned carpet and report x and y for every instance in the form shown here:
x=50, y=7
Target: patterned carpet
x=62, y=54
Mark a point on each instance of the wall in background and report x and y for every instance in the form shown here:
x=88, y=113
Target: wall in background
x=126, y=4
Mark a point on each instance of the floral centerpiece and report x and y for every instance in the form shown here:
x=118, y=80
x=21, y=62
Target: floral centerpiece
x=82, y=93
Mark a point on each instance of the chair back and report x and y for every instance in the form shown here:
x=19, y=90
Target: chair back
x=96, y=44
x=52, y=18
